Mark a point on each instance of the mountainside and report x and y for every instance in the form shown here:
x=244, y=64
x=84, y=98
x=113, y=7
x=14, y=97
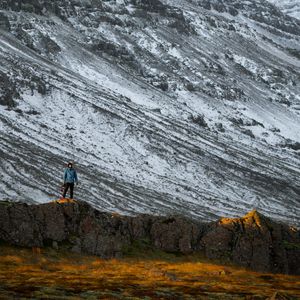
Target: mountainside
x=180, y=106
x=253, y=241
x=290, y=7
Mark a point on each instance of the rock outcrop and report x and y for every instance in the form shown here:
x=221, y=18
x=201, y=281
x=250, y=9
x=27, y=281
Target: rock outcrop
x=253, y=241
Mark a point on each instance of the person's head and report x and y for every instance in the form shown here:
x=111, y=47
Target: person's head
x=70, y=165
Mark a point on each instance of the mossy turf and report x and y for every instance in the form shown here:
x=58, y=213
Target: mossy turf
x=143, y=273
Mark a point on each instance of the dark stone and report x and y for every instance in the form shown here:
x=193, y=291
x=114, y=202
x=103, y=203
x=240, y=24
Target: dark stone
x=4, y=22
x=256, y=123
x=174, y=234
x=49, y=45
x=219, y=7
x=234, y=12
x=205, y=4
x=23, y=36
x=294, y=52
x=293, y=145
x=238, y=122
x=28, y=7
x=8, y=91
x=150, y=5
x=182, y=27
x=200, y=120
x=249, y=133
x=220, y=127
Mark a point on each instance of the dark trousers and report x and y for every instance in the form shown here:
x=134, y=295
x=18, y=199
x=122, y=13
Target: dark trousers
x=67, y=186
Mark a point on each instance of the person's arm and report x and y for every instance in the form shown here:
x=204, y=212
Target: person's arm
x=65, y=176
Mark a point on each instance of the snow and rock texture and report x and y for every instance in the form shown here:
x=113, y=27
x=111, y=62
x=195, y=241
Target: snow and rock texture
x=290, y=7
x=187, y=107
x=252, y=241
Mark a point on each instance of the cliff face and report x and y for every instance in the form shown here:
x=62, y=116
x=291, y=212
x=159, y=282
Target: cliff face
x=252, y=241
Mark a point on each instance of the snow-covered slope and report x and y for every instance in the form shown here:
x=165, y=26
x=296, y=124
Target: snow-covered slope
x=166, y=107
x=290, y=7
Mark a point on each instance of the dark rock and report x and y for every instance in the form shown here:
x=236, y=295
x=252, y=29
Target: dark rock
x=42, y=89
x=164, y=86
x=191, y=87
x=254, y=241
x=220, y=7
x=174, y=234
x=8, y=91
x=256, y=123
x=220, y=127
x=27, y=7
x=205, y=4
x=182, y=26
x=293, y=145
x=294, y=52
x=274, y=129
x=234, y=12
x=200, y=120
x=49, y=45
x=249, y=133
x=4, y=22
x=26, y=38
x=39, y=84
x=150, y=5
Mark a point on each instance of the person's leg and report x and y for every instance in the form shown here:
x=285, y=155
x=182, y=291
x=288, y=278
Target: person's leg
x=71, y=190
x=66, y=189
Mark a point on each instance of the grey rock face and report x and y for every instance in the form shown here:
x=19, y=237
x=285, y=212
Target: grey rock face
x=175, y=234
x=254, y=241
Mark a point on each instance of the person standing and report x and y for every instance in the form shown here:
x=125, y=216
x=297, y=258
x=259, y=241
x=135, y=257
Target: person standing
x=70, y=178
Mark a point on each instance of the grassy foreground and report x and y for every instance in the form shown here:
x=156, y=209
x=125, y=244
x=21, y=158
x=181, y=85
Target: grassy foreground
x=48, y=274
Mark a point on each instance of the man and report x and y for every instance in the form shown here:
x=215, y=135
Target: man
x=70, y=177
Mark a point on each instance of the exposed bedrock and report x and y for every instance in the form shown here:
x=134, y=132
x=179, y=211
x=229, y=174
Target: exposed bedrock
x=253, y=241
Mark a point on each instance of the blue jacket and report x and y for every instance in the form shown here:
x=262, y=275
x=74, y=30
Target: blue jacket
x=70, y=175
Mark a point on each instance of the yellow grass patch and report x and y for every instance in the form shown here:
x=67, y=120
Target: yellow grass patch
x=65, y=200
x=57, y=275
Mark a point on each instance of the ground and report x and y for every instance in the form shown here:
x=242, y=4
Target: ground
x=47, y=273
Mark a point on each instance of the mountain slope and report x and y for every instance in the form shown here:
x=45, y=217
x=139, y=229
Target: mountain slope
x=182, y=106
x=290, y=7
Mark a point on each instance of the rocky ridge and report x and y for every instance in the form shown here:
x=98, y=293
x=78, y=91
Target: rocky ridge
x=253, y=241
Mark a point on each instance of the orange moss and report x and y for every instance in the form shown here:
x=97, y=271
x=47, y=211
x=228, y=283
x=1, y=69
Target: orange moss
x=70, y=275
x=11, y=260
x=65, y=200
